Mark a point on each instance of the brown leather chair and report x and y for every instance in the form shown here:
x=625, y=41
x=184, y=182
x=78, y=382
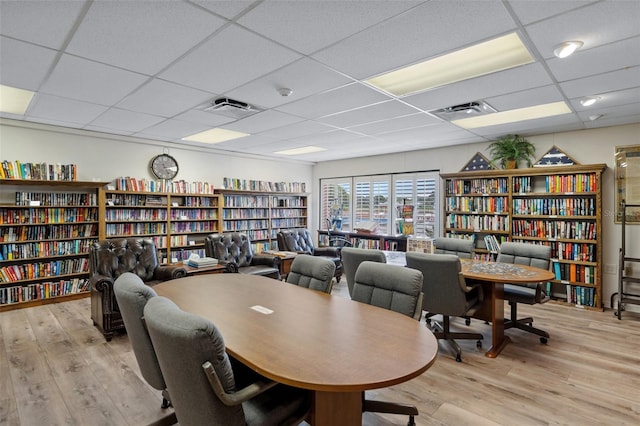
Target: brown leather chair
x=234, y=250
x=300, y=241
x=111, y=258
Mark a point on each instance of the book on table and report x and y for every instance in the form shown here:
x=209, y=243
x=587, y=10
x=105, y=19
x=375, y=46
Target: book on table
x=199, y=262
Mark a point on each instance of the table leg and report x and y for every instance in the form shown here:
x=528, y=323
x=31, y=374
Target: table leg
x=498, y=339
x=337, y=408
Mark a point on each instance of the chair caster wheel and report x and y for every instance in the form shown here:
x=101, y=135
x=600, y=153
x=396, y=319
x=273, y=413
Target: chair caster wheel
x=543, y=340
x=479, y=344
x=467, y=321
x=458, y=358
x=428, y=321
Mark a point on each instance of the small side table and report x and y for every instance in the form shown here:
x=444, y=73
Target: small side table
x=215, y=269
x=286, y=259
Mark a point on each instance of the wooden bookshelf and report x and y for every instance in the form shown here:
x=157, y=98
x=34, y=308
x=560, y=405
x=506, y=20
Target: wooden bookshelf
x=46, y=230
x=558, y=206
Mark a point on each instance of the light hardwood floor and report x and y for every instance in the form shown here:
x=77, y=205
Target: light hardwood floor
x=56, y=369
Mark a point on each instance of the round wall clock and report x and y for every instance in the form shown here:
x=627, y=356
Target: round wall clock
x=164, y=166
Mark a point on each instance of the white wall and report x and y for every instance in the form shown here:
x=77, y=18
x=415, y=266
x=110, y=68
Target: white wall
x=585, y=147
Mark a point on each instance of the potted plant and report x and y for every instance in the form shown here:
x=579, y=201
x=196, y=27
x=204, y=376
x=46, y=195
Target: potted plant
x=510, y=150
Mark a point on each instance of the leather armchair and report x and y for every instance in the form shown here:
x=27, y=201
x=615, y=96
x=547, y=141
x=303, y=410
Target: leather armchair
x=111, y=258
x=234, y=251
x=300, y=241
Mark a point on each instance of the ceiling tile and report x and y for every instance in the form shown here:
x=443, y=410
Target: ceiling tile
x=230, y=59
x=24, y=65
x=68, y=110
x=408, y=38
x=173, y=129
x=203, y=117
x=131, y=121
x=134, y=36
x=226, y=8
x=84, y=80
x=305, y=77
x=395, y=124
x=602, y=83
x=348, y=97
x=47, y=23
x=307, y=26
x=165, y=99
x=262, y=121
x=368, y=114
x=296, y=130
x=530, y=11
x=526, y=98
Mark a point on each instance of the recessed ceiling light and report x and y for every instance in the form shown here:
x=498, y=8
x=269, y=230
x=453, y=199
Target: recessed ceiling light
x=14, y=100
x=594, y=117
x=589, y=101
x=514, y=115
x=567, y=48
x=302, y=150
x=216, y=135
x=484, y=58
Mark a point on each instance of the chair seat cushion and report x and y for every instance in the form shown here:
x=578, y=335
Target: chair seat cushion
x=520, y=294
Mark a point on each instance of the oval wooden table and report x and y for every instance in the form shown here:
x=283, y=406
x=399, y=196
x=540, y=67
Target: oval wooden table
x=331, y=345
x=493, y=276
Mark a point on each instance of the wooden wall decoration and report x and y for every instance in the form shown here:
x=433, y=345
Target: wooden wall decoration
x=555, y=157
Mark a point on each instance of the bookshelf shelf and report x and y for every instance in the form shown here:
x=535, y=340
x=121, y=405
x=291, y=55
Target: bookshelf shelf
x=46, y=229
x=177, y=222
x=559, y=206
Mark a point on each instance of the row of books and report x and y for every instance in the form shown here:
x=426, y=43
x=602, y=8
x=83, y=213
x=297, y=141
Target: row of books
x=28, y=271
x=263, y=186
x=575, y=273
x=555, y=206
x=491, y=243
x=581, y=182
x=46, y=232
x=56, y=199
x=246, y=202
x=135, y=214
x=135, y=229
x=127, y=183
x=477, y=186
x=202, y=226
x=578, y=252
x=579, y=230
x=38, y=171
x=16, y=251
x=582, y=296
x=48, y=215
x=40, y=291
x=477, y=222
x=477, y=204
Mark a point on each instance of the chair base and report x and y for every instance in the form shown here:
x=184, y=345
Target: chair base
x=524, y=324
x=446, y=334
x=390, y=408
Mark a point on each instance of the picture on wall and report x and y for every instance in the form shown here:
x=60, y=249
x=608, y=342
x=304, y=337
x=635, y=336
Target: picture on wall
x=628, y=183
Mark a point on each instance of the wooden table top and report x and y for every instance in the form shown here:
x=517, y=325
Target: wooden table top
x=499, y=272
x=311, y=340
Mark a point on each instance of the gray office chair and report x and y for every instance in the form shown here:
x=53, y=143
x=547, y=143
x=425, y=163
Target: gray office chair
x=132, y=295
x=352, y=258
x=395, y=288
x=312, y=272
x=446, y=293
x=460, y=247
x=532, y=255
x=202, y=380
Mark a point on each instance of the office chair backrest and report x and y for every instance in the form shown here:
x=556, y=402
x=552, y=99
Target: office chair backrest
x=525, y=254
x=443, y=285
x=132, y=295
x=391, y=287
x=461, y=248
x=352, y=258
x=312, y=272
x=183, y=343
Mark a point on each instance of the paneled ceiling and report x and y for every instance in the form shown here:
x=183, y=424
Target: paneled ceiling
x=148, y=69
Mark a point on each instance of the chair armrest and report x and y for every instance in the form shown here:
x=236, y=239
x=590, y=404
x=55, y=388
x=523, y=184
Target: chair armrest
x=101, y=283
x=169, y=272
x=229, y=265
x=266, y=259
x=239, y=396
x=418, y=313
x=470, y=288
x=328, y=251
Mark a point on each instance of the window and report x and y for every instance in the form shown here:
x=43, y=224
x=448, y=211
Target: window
x=394, y=203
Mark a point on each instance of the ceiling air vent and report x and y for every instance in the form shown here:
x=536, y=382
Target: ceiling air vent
x=470, y=109
x=231, y=108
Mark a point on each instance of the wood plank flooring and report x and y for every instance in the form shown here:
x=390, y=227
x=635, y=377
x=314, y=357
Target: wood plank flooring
x=57, y=369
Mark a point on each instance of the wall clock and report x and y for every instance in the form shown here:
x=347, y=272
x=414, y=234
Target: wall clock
x=164, y=166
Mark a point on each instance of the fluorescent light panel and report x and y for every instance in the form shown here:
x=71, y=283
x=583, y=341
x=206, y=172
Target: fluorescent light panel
x=299, y=151
x=485, y=58
x=514, y=115
x=216, y=135
x=14, y=100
